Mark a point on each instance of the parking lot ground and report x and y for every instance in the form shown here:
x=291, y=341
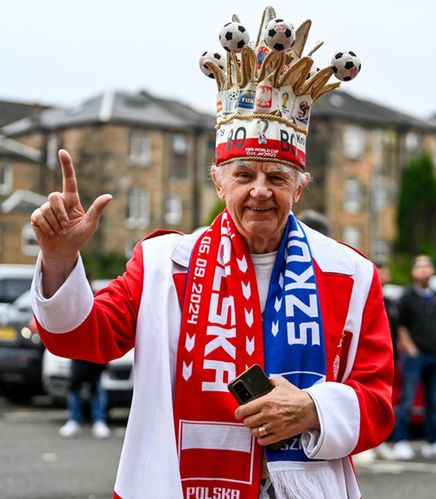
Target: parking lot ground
x=38, y=464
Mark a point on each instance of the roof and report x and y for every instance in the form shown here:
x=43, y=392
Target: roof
x=12, y=111
x=138, y=109
x=344, y=105
x=11, y=149
x=22, y=201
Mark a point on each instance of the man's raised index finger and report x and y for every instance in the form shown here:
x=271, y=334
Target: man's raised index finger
x=68, y=173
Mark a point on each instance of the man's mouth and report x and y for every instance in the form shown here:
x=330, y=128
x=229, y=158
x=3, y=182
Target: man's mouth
x=259, y=209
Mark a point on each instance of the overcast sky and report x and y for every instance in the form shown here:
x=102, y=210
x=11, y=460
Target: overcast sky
x=60, y=52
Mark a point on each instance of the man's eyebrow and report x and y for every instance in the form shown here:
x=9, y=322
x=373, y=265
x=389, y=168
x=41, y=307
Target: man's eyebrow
x=280, y=169
x=241, y=164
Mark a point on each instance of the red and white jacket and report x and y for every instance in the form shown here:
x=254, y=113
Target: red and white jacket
x=141, y=309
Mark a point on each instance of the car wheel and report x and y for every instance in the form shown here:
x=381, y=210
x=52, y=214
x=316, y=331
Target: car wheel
x=17, y=394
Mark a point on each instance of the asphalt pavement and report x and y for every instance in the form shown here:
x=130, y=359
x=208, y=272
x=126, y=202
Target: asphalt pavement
x=36, y=463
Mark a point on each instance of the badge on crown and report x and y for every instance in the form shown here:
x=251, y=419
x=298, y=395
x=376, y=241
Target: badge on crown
x=266, y=90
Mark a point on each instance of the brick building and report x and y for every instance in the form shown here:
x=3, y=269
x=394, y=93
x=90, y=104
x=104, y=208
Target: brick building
x=153, y=155
x=356, y=152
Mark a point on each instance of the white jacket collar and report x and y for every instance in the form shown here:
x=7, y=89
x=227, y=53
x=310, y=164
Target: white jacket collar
x=330, y=255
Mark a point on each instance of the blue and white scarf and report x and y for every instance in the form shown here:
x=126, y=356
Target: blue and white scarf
x=292, y=328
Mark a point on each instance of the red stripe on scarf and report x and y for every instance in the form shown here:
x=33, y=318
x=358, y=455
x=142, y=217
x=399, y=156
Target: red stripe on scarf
x=220, y=336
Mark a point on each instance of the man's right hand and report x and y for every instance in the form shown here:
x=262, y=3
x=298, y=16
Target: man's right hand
x=62, y=227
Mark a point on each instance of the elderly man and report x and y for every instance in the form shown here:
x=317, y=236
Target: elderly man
x=256, y=287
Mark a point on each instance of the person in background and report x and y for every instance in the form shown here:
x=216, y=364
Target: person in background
x=86, y=375
x=417, y=345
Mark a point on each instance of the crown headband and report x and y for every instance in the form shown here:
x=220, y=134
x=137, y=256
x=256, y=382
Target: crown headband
x=266, y=90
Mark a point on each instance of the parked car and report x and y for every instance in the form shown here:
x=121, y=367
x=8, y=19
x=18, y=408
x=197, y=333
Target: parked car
x=21, y=352
x=116, y=379
x=14, y=281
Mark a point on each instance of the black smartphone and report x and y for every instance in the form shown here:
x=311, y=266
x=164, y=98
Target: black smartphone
x=251, y=384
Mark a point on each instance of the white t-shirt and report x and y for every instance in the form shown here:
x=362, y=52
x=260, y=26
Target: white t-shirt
x=263, y=266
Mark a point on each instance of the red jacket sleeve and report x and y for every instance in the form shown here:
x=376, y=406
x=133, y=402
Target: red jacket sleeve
x=373, y=372
x=108, y=332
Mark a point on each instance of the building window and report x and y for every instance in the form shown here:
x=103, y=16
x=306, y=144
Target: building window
x=352, y=236
x=180, y=145
x=52, y=151
x=173, y=210
x=138, y=215
x=412, y=142
x=352, y=195
x=29, y=245
x=5, y=179
x=354, y=142
x=139, y=147
x=179, y=157
x=380, y=194
x=380, y=250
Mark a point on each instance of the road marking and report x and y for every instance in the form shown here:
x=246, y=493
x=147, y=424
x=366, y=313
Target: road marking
x=49, y=457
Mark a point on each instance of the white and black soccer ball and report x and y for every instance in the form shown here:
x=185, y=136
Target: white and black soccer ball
x=234, y=37
x=216, y=57
x=279, y=34
x=346, y=65
x=313, y=70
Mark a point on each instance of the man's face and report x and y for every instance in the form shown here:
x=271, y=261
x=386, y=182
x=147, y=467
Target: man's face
x=422, y=270
x=259, y=196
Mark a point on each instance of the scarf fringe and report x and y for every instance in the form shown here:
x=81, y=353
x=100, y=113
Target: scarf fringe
x=305, y=484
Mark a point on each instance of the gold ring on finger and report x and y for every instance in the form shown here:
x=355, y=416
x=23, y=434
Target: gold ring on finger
x=262, y=431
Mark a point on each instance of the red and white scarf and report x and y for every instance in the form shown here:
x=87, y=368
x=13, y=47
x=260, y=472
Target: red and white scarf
x=218, y=456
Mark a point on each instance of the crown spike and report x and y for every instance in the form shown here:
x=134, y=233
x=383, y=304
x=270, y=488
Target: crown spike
x=217, y=72
x=325, y=90
x=317, y=81
x=318, y=44
x=301, y=35
x=297, y=73
x=268, y=14
x=269, y=64
x=248, y=66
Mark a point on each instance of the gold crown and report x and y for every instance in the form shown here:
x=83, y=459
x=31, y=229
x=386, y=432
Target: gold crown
x=270, y=81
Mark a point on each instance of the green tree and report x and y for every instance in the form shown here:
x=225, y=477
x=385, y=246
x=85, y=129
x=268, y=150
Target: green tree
x=216, y=209
x=417, y=207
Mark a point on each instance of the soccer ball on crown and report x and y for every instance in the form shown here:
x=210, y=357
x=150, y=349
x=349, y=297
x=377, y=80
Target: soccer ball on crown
x=234, y=37
x=216, y=57
x=313, y=70
x=346, y=65
x=279, y=34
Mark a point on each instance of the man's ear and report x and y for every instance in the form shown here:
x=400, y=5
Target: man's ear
x=216, y=180
x=302, y=186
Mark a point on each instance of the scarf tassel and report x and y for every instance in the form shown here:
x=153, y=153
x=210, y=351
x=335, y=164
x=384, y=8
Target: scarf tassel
x=310, y=483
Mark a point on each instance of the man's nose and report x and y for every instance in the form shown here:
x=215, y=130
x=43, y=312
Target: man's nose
x=260, y=188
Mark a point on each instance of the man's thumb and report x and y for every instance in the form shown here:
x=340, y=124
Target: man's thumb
x=96, y=209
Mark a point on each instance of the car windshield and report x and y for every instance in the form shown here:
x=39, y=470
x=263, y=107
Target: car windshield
x=11, y=289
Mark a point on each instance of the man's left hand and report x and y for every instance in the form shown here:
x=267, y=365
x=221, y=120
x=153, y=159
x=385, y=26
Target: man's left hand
x=284, y=412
